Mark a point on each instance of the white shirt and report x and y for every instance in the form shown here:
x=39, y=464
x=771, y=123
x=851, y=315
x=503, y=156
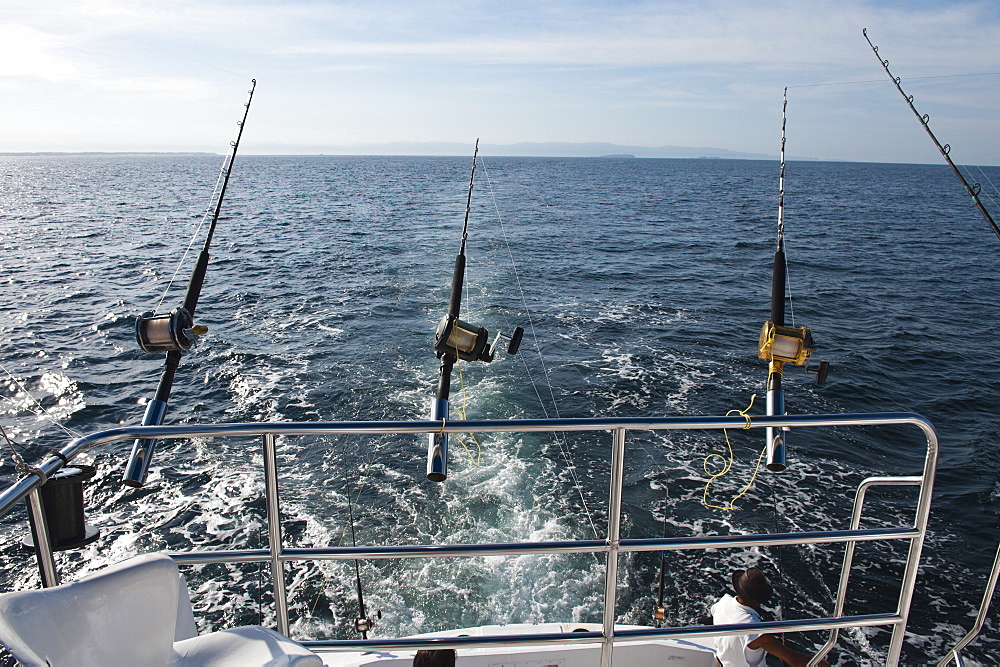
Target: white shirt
x=732, y=650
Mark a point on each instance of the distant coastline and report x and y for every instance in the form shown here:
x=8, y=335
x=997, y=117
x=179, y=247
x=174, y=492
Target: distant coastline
x=554, y=150
x=431, y=149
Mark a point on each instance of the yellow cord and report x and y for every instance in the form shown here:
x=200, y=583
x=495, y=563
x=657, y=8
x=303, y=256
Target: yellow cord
x=728, y=464
x=461, y=413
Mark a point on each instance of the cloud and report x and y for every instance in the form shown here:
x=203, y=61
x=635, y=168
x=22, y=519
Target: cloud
x=29, y=53
x=671, y=70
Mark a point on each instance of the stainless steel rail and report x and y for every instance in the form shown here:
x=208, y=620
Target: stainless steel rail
x=845, y=570
x=613, y=546
x=991, y=584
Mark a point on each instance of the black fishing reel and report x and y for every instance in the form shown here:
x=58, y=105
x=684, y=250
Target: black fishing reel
x=175, y=331
x=470, y=342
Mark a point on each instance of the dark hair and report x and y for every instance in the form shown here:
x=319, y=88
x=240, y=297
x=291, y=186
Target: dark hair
x=752, y=585
x=442, y=657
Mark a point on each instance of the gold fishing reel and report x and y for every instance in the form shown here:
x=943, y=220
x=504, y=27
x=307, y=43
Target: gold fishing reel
x=790, y=345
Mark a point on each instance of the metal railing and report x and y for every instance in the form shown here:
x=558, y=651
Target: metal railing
x=955, y=654
x=612, y=546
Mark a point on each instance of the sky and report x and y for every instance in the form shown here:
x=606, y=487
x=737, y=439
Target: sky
x=146, y=75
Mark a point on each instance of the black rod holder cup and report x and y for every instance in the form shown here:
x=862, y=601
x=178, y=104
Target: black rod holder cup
x=62, y=504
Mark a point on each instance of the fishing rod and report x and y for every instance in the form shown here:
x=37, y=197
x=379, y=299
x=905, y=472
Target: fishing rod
x=456, y=340
x=778, y=343
x=363, y=623
x=945, y=150
x=660, y=612
x=175, y=332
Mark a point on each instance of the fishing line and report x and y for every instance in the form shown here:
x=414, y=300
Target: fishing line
x=915, y=78
x=30, y=451
x=18, y=461
x=42, y=412
x=560, y=441
x=563, y=447
x=461, y=410
x=945, y=150
x=968, y=170
x=780, y=565
x=788, y=291
x=343, y=532
x=197, y=231
x=221, y=69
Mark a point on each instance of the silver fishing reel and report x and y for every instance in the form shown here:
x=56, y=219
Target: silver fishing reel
x=363, y=625
x=175, y=331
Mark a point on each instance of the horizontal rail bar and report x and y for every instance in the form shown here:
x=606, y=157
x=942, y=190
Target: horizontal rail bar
x=904, y=480
x=17, y=491
x=800, y=625
x=776, y=539
x=528, y=548
x=220, y=556
x=620, y=636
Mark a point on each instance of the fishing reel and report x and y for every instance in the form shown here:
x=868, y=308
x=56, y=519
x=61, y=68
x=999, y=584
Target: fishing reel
x=790, y=345
x=470, y=342
x=175, y=331
x=365, y=625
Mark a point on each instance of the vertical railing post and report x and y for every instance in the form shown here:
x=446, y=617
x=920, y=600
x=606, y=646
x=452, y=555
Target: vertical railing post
x=274, y=531
x=43, y=545
x=614, y=538
x=916, y=545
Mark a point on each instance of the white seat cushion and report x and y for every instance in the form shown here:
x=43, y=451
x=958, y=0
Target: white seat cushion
x=124, y=615
x=130, y=614
x=247, y=645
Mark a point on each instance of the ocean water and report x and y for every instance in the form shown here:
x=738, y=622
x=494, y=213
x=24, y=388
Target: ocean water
x=642, y=285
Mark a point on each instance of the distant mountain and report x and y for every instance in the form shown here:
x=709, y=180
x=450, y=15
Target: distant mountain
x=525, y=149
x=597, y=149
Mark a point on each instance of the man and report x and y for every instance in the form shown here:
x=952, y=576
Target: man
x=752, y=590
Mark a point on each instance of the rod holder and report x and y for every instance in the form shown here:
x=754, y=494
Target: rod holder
x=775, y=436
x=143, y=448
x=62, y=504
x=437, y=444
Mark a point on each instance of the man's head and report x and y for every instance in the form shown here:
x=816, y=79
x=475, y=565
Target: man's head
x=442, y=657
x=752, y=586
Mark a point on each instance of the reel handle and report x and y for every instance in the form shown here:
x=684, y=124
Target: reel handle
x=513, y=342
x=820, y=373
